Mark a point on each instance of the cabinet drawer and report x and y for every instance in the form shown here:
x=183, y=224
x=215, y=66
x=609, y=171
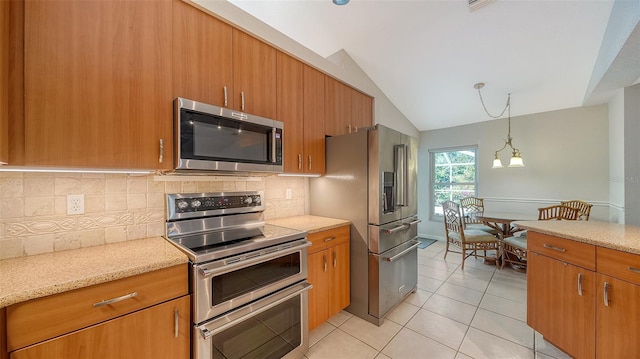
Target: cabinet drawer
x=621, y=265
x=566, y=250
x=43, y=318
x=328, y=238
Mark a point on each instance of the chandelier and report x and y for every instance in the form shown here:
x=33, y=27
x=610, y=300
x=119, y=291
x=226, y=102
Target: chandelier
x=516, y=158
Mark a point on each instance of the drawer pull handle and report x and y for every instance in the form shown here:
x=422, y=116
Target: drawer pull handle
x=554, y=248
x=226, y=102
x=580, y=284
x=176, y=318
x=324, y=259
x=329, y=239
x=606, y=294
x=114, y=300
x=335, y=260
x=635, y=270
x=395, y=229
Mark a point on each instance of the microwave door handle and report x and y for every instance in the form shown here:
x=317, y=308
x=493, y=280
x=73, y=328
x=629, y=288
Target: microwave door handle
x=273, y=144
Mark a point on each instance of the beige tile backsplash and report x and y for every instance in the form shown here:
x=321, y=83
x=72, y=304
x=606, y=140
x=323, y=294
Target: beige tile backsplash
x=118, y=207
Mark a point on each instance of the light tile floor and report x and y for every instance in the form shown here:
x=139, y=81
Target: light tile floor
x=476, y=313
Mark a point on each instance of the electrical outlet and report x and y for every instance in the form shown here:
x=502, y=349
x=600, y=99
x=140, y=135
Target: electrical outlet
x=75, y=204
x=288, y=193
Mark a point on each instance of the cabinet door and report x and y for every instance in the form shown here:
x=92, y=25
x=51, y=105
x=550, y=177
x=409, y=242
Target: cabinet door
x=314, y=116
x=618, y=321
x=290, y=111
x=254, y=75
x=162, y=331
x=202, y=56
x=4, y=81
x=564, y=315
x=98, y=83
x=318, y=295
x=340, y=288
x=338, y=108
x=361, y=110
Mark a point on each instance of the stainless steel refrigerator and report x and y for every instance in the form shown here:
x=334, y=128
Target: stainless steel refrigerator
x=371, y=180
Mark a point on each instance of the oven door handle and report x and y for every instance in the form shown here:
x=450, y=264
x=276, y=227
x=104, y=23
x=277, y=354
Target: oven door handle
x=391, y=259
x=205, y=272
x=208, y=333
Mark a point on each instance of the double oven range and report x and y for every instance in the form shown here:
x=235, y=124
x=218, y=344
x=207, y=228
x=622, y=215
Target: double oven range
x=247, y=278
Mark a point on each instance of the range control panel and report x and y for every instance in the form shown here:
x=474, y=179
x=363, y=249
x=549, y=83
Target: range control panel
x=208, y=204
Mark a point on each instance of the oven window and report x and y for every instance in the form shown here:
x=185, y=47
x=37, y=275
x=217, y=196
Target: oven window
x=270, y=334
x=245, y=280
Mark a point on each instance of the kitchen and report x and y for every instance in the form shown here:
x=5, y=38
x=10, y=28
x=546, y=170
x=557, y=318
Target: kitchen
x=131, y=207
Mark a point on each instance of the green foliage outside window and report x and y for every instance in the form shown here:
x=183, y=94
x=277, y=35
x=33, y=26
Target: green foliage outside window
x=454, y=176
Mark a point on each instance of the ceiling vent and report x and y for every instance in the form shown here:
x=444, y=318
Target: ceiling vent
x=476, y=4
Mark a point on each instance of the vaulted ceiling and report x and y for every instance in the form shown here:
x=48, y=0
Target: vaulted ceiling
x=427, y=55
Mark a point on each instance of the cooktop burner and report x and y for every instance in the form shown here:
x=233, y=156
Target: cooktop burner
x=210, y=226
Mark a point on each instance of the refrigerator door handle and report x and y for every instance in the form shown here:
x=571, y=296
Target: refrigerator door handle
x=402, y=174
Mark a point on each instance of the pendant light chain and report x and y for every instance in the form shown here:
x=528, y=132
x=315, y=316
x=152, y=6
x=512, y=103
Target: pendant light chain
x=507, y=106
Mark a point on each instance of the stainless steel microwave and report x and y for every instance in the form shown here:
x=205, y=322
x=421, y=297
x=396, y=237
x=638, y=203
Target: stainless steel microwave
x=212, y=138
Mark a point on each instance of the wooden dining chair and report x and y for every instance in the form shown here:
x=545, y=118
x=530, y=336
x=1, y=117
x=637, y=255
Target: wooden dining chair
x=469, y=241
x=516, y=246
x=471, y=208
x=558, y=212
x=584, y=208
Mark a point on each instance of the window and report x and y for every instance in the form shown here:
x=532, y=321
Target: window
x=453, y=175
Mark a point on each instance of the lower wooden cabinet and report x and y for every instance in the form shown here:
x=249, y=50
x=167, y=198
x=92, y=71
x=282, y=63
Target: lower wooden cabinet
x=584, y=298
x=162, y=331
x=561, y=304
x=142, y=316
x=618, y=304
x=329, y=274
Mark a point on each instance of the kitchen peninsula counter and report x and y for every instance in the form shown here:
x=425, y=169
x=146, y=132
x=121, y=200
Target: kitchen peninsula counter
x=621, y=237
x=309, y=224
x=37, y=276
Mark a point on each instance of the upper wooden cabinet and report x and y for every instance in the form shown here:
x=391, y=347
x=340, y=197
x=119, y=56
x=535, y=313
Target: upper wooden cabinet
x=4, y=80
x=300, y=99
x=314, y=117
x=202, y=56
x=290, y=111
x=346, y=108
x=254, y=75
x=338, y=108
x=220, y=65
x=98, y=83
x=361, y=110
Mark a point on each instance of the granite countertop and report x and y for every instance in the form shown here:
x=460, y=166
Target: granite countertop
x=37, y=276
x=621, y=237
x=309, y=224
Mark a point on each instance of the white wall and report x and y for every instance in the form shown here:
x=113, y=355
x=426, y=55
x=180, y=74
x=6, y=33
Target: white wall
x=632, y=155
x=340, y=66
x=566, y=156
x=616, y=158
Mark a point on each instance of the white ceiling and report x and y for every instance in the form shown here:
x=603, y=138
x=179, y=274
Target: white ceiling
x=426, y=55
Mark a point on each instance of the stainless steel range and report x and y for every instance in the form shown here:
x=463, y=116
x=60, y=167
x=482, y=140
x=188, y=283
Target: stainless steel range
x=248, y=278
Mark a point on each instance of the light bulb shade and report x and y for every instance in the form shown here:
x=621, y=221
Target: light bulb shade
x=516, y=161
x=341, y=2
x=497, y=163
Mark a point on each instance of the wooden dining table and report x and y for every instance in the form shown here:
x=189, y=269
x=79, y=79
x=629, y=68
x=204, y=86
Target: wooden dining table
x=501, y=221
